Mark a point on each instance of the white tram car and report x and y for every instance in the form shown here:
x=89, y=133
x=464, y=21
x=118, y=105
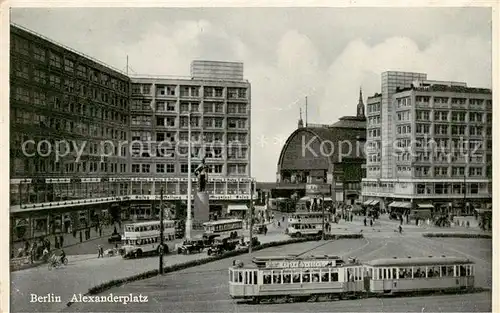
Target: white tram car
x=328, y=277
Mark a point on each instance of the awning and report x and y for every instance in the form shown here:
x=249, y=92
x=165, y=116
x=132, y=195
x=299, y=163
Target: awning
x=375, y=202
x=482, y=211
x=425, y=206
x=397, y=204
x=422, y=214
x=367, y=202
x=328, y=199
x=259, y=207
x=236, y=207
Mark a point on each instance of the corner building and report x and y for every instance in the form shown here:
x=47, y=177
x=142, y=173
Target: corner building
x=62, y=100
x=429, y=146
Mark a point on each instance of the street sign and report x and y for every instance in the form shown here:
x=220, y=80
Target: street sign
x=318, y=189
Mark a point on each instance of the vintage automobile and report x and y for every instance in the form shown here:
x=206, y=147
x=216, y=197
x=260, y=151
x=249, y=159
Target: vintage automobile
x=221, y=245
x=259, y=228
x=115, y=238
x=244, y=243
x=191, y=246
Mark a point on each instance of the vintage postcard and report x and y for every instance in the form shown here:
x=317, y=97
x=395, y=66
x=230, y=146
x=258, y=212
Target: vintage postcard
x=222, y=158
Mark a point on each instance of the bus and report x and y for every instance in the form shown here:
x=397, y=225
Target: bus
x=307, y=223
x=144, y=238
x=222, y=228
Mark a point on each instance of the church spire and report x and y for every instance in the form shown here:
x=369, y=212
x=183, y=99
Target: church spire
x=361, y=106
x=301, y=123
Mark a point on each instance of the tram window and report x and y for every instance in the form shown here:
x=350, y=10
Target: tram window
x=267, y=278
x=306, y=278
x=287, y=277
x=230, y=275
x=255, y=277
x=324, y=277
x=419, y=272
x=296, y=278
x=315, y=277
x=468, y=270
x=277, y=277
x=432, y=271
x=240, y=277
x=247, y=279
x=446, y=271
x=334, y=277
x=394, y=273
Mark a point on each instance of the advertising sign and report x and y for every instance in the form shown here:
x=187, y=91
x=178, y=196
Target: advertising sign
x=318, y=189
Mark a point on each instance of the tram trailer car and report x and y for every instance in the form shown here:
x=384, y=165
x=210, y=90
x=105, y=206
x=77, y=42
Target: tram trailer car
x=350, y=280
x=409, y=275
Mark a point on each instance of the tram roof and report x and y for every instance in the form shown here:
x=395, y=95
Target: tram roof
x=147, y=223
x=443, y=260
x=222, y=222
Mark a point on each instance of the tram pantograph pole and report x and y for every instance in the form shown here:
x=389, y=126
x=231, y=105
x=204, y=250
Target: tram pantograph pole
x=160, y=270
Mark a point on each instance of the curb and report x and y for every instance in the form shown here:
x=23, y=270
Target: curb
x=457, y=235
x=177, y=267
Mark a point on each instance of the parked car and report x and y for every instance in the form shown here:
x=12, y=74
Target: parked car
x=115, y=238
x=244, y=243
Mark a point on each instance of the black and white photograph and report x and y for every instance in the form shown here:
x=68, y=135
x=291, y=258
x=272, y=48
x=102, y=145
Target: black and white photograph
x=229, y=158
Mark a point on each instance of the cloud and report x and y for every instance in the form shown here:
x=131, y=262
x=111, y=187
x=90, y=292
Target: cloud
x=451, y=57
x=325, y=54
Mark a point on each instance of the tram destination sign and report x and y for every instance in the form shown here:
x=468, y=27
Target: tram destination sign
x=301, y=263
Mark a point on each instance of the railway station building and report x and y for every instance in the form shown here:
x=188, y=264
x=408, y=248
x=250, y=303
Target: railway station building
x=88, y=141
x=429, y=146
x=330, y=155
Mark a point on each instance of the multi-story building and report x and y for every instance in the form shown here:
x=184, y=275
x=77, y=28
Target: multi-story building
x=76, y=124
x=218, y=103
x=429, y=145
x=63, y=105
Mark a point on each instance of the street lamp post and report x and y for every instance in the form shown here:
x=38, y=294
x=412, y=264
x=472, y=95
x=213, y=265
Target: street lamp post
x=161, y=232
x=251, y=217
x=188, y=218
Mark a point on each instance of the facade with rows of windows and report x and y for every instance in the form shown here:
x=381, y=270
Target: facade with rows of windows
x=76, y=124
x=429, y=145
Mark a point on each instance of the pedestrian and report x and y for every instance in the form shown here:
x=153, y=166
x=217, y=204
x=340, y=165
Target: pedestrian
x=100, y=231
x=61, y=240
x=100, y=251
x=400, y=229
x=265, y=230
x=279, y=225
x=371, y=222
x=364, y=221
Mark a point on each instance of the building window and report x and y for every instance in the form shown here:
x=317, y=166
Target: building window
x=145, y=168
x=40, y=77
x=440, y=129
x=440, y=171
x=21, y=94
x=146, y=89
x=423, y=115
x=458, y=116
x=458, y=130
x=55, y=60
x=423, y=128
x=136, y=168
x=21, y=69
x=55, y=81
x=39, y=53
x=160, y=168
x=458, y=171
x=69, y=65
x=21, y=45
x=441, y=100
x=440, y=116
x=476, y=171
x=39, y=98
x=171, y=168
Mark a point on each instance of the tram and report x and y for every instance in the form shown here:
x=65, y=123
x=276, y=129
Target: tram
x=307, y=223
x=289, y=279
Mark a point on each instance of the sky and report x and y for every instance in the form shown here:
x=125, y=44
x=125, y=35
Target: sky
x=326, y=54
